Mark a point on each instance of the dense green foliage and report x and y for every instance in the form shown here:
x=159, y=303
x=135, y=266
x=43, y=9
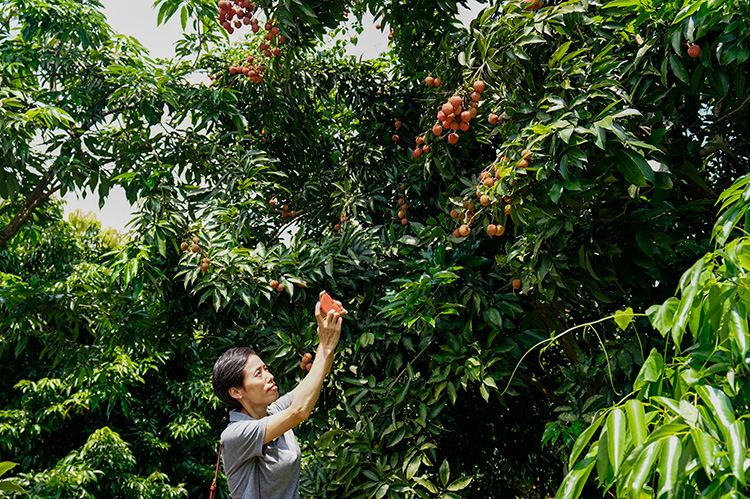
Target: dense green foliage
x=107, y=345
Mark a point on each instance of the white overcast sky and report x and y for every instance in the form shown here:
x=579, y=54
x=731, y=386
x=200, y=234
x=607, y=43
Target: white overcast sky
x=137, y=18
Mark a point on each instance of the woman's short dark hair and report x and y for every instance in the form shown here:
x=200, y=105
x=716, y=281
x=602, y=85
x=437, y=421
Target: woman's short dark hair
x=229, y=372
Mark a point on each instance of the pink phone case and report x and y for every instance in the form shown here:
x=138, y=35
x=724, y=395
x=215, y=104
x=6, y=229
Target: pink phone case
x=327, y=303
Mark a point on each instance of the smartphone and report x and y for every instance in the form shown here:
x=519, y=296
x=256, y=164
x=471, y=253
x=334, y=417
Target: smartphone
x=327, y=304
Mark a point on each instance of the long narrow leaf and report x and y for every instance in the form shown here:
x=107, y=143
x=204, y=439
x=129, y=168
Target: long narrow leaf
x=583, y=440
x=737, y=321
x=669, y=465
x=706, y=448
x=616, y=435
x=642, y=468
x=576, y=478
x=636, y=421
x=718, y=402
x=736, y=449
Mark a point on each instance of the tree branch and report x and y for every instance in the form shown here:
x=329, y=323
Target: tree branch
x=532, y=381
x=37, y=196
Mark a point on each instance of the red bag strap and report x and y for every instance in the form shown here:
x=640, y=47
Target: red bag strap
x=216, y=474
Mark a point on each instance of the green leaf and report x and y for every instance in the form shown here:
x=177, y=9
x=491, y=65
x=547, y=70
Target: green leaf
x=583, y=439
x=382, y=491
x=682, y=314
x=679, y=70
x=737, y=321
x=636, y=421
x=689, y=9
x=706, y=448
x=642, y=468
x=621, y=3
x=616, y=434
x=623, y=318
x=661, y=316
x=493, y=315
x=576, y=478
x=445, y=472
x=669, y=465
x=11, y=487
x=427, y=484
x=652, y=370
x=736, y=448
x=718, y=402
x=603, y=469
x=641, y=163
x=451, y=392
x=6, y=466
x=413, y=466
x=460, y=483
x=183, y=17
x=629, y=170
x=559, y=53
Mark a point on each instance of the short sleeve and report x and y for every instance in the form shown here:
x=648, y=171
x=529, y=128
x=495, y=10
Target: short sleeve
x=243, y=440
x=282, y=403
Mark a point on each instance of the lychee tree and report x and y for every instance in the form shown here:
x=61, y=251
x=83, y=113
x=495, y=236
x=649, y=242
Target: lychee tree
x=596, y=148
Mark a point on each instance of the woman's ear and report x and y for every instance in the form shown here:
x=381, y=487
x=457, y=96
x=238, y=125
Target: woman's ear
x=235, y=393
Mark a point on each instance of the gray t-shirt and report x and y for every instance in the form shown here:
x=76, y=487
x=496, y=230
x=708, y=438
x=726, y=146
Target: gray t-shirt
x=257, y=471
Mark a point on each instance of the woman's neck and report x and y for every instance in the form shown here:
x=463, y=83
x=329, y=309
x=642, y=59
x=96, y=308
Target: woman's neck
x=255, y=411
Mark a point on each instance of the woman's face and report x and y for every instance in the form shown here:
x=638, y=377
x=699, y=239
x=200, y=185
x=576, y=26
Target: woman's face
x=259, y=387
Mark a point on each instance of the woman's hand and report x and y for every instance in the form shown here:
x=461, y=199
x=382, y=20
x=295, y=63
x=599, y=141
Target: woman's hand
x=329, y=327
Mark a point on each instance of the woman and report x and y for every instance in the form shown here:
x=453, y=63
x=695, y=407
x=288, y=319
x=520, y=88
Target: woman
x=260, y=454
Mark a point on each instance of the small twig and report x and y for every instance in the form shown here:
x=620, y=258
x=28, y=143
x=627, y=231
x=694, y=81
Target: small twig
x=388, y=391
x=732, y=112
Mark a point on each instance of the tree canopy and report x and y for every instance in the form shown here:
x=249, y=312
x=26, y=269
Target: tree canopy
x=542, y=253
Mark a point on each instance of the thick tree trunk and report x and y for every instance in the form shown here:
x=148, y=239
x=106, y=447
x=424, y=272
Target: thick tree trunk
x=41, y=192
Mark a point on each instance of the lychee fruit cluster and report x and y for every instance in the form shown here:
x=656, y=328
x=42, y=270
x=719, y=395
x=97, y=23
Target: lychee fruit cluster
x=275, y=284
x=455, y=114
x=422, y=147
x=306, y=363
x=402, y=207
x=464, y=219
x=285, y=211
x=342, y=221
x=192, y=246
x=253, y=72
x=433, y=81
x=233, y=17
